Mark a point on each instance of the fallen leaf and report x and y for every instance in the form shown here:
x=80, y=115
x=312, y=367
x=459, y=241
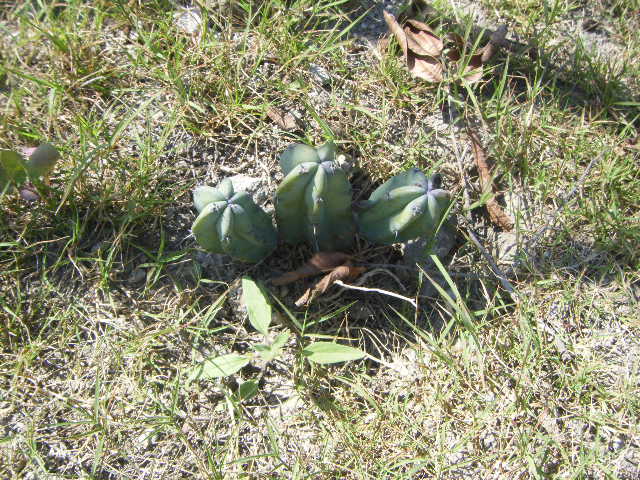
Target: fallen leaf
x=473, y=71
x=396, y=29
x=421, y=39
x=285, y=120
x=343, y=272
x=424, y=67
x=633, y=143
x=496, y=41
x=496, y=214
x=455, y=52
x=320, y=262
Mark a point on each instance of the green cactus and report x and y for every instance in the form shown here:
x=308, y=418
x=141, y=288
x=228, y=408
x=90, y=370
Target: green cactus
x=407, y=206
x=313, y=202
x=14, y=169
x=232, y=223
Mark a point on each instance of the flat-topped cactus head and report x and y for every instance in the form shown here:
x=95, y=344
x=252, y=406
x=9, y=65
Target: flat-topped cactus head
x=407, y=206
x=313, y=202
x=231, y=223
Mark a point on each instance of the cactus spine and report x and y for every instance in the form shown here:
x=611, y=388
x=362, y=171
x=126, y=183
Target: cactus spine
x=313, y=202
x=407, y=206
x=231, y=223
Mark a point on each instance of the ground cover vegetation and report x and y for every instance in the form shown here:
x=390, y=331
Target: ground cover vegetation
x=503, y=346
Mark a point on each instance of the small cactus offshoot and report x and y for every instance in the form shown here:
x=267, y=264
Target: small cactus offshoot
x=313, y=202
x=231, y=223
x=407, y=206
x=15, y=170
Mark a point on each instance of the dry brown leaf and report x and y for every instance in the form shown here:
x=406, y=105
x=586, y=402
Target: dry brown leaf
x=424, y=67
x=633, y=143
x=473, y=71
x=284, y=120
x=320, y=262
x=496, y=214
x=396, y=29
x=343, y=272
x=421, y=39
x=496, y=40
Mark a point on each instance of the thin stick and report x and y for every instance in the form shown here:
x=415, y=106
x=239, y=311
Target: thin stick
x=565, y=199
x=506, y=284
x=377, y=290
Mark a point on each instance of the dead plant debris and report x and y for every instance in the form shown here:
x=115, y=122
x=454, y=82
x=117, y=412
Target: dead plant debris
x=496, y=213
x=285, y=120
x=423, y=51
x=343, y=272
x=338, y=265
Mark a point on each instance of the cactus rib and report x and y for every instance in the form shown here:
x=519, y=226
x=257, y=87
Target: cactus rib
x=313, y=202
x=232, y=223
x=405, y=207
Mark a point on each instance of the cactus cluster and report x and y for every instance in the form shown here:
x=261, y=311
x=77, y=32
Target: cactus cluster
x=407, y=206
x=15, y=170
x=313, y=204
x=231, y=223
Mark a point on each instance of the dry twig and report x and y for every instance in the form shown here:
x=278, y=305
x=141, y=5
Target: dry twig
x=497, y=215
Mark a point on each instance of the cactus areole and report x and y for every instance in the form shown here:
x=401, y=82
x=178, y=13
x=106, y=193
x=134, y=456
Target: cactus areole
x=313, y=202
x=231, y=223
x=407, y=206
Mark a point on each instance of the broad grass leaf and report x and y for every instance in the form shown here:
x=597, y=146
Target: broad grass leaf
x=12, y=169
x=258, y=306
x=217, y=367
x=247, y=390
x=281, y=340
x=330, y=352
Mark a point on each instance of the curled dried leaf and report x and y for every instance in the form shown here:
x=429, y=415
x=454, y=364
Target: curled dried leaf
x=320, y=262
x=496, y=41
x=496, y=213
x=396, y=29
x=285, y=120
x=343, y=272
x=421, y=39
x=424, y=67
x=473, y=71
